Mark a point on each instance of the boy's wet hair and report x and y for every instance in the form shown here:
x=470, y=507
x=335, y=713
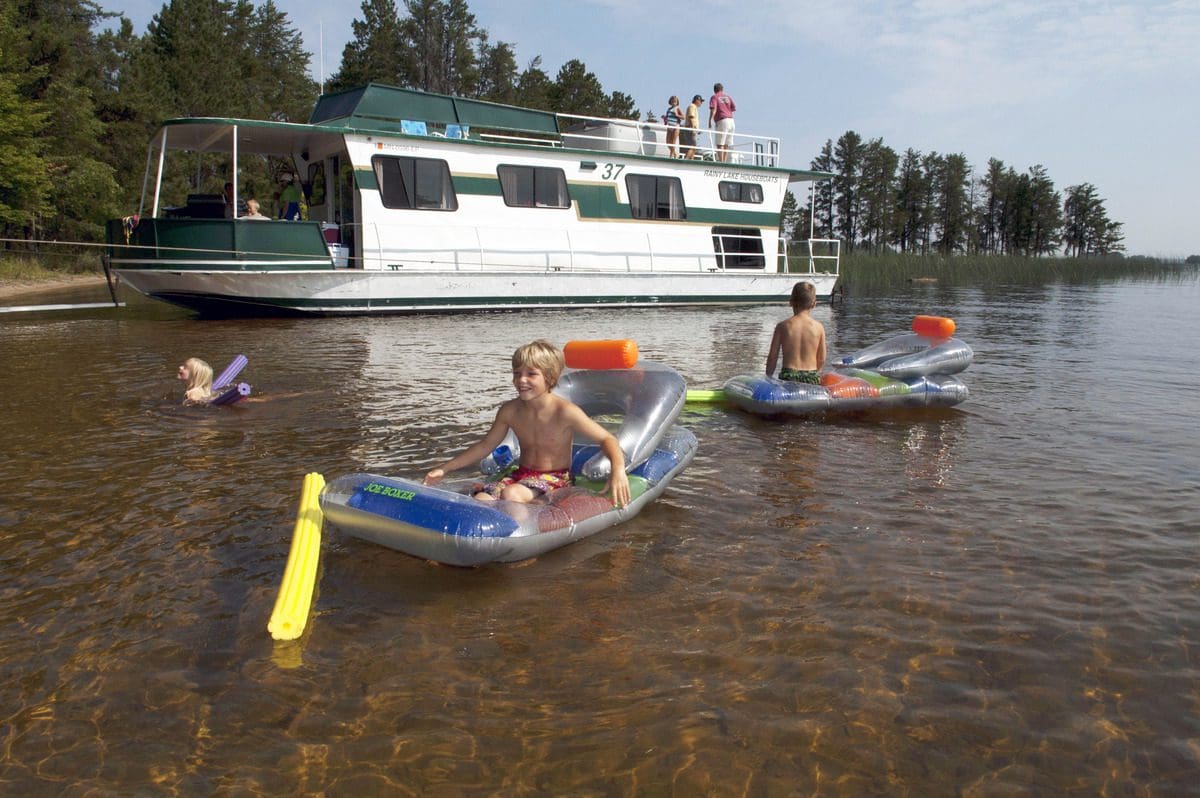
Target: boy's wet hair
x=543, y=356
x=804, y=296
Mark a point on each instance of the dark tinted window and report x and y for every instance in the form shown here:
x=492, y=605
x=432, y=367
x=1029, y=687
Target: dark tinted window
x=414, y=183
x=740, y=192
x=654, y=197
x=533, y=187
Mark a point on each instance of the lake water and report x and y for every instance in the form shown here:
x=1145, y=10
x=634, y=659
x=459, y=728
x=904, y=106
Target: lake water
x=1001, y=598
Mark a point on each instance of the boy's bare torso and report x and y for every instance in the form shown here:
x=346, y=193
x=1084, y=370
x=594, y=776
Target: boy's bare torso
x=800, y=340
x=544, y=430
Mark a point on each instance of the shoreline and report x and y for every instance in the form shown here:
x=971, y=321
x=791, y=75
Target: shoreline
x=14, y=288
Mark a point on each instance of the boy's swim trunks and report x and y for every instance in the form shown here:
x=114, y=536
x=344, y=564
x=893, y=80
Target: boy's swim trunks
x=536, y=481
x=800, y=375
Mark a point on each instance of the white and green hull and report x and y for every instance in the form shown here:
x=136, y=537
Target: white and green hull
x=344, y=291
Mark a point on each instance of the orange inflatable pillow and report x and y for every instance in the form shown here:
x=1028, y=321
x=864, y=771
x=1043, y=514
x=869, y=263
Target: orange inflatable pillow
x=616, y=354
x=933, y=326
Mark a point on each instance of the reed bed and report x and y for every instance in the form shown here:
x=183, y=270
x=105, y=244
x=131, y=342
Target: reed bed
x=860, y=271
x=872, y=272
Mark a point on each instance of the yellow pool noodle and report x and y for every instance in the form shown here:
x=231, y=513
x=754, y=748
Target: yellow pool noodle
x=300, y=575
x=698, y=395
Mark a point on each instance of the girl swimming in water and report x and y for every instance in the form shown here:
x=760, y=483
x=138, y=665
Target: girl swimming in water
x=197, y=378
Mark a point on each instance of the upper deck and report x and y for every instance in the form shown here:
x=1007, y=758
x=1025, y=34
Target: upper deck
x=389, y=110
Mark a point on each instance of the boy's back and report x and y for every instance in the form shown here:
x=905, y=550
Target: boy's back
x=800, y=340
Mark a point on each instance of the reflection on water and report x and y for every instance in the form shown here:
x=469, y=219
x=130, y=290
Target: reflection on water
x=995, y=598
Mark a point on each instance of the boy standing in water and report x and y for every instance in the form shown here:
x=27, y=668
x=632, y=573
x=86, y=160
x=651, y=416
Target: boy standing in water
x=545, y=425
x=800, y=340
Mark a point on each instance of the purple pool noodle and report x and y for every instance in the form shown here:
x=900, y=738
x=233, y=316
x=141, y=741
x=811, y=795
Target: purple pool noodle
x=232, y=370
x=233, y=394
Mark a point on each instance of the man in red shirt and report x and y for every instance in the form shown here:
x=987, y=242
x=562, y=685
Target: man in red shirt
x=720, y=111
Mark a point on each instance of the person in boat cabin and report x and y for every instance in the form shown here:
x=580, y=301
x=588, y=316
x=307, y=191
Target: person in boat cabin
x=290, y=198
x=673, y=118
x=228, y=195
x=545, y=425
x=720, y=111
x=252, y=211
x=691, y=126
x=197, y=377
x=800, y=340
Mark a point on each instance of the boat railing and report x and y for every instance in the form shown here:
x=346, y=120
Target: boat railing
x=505, y=138
x=650, y=138
x=467, y=248
x=798, y=257
x=475, y=248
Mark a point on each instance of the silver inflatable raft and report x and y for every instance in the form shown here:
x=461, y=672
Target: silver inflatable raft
x=444, y=523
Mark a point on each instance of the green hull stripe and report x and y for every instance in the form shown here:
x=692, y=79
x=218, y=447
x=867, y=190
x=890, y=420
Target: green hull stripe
x=598, y=202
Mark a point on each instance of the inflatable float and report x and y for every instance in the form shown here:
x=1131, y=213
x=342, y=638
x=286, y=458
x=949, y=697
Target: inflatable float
x=638, y=402
x=225, y=393
x=915, y=369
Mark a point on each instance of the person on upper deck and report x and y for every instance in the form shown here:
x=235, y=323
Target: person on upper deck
x=691, y=125
x=800, y=340
x=673, y=118
x=720, y=117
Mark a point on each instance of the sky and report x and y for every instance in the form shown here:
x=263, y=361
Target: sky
x=1096, y=91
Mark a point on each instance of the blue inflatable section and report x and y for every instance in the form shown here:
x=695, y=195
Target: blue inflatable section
x=652, y=470
x=436, y=510
x=656, y=467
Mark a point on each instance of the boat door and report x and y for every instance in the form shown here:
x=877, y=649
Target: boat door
x=738, y=247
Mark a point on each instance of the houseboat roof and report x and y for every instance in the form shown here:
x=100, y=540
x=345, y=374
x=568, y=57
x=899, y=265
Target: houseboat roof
x=387, y=108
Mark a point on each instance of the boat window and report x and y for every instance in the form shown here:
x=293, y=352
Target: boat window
x=738, y=247
x=316, y=183
x=533, y=187
x=740, y=192
x=414, y=183
x=655, y=197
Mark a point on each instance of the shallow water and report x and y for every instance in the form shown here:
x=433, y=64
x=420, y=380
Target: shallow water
x=1000, y=598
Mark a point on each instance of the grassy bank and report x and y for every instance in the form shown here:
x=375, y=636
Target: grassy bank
x=869, y=272
x=24, y=267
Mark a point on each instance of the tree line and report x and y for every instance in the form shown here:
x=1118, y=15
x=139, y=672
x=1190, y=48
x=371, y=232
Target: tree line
x=81, y=93
x=882, y=201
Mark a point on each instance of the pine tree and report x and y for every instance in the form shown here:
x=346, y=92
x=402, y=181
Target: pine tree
x=821, y=204
x=442, y=37
x=911, y=191
x=377, y=53
x=497, y=72
x=847, y=162
x=953, y=206
x=879, y=186
x=65, y=76
x=576, y=90
x=25, y=187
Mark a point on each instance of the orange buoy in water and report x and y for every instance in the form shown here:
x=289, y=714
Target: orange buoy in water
x=933, y=326
x=616, y=354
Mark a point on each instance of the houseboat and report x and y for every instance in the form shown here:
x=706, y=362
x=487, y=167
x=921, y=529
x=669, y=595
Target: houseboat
x=415, y=202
